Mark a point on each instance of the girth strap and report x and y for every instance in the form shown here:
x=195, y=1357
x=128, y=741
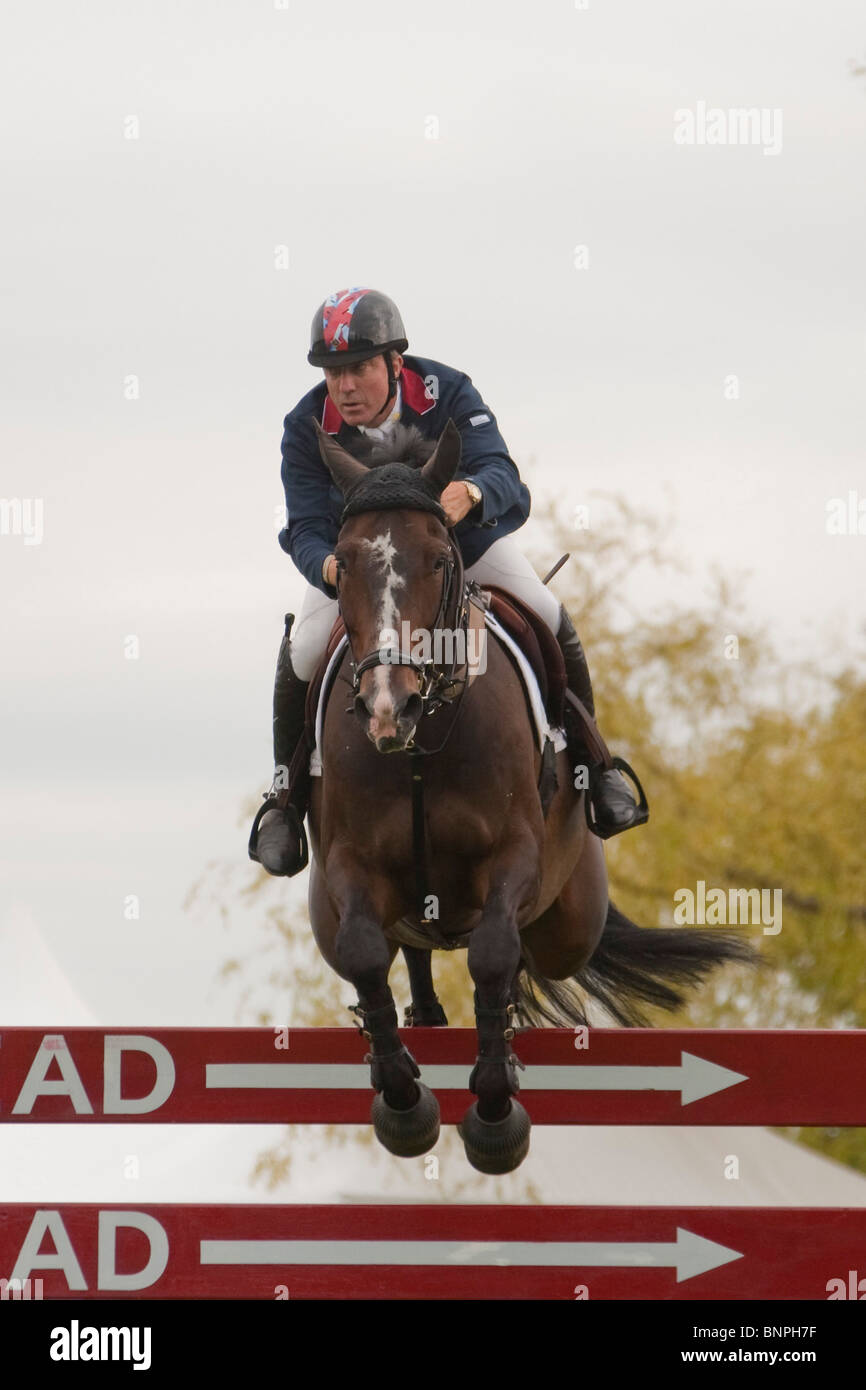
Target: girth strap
x=419, y=839
x=428, y=925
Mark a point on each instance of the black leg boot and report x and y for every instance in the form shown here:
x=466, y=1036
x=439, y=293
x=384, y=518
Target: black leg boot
x=612, y=802
x=278, y=840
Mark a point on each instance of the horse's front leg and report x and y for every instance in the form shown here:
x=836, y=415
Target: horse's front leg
x=495, y=1130
x=405, y=1112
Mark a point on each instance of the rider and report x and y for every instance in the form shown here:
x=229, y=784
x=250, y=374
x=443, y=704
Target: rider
x=359, y=340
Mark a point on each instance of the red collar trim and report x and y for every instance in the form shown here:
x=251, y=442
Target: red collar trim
x=415, y=393
x=415, y=396
x=332, y=420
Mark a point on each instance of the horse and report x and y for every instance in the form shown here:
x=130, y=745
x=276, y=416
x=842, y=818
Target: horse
x=521, y=887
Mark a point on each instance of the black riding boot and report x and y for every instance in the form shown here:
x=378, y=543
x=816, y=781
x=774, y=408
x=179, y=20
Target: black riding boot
x=612, y=802
x=278, y=840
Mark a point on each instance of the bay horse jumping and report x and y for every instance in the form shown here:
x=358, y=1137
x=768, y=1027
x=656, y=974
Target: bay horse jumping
x=525, y=892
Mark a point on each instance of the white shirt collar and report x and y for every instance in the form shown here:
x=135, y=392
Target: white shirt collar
x=381, y=431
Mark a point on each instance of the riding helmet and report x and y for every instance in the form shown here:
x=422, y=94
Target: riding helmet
x=352, y=325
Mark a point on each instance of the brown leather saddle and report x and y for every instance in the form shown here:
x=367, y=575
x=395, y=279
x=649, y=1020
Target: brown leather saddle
x=544, y=654
x=539, y=646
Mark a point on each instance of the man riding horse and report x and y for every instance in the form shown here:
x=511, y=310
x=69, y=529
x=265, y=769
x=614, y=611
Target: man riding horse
x=359, y=340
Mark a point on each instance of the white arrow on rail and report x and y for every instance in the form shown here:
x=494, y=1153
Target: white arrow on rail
x=690, y=1255
x=694, y=1077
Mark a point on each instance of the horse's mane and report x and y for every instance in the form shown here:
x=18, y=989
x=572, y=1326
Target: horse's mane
x=394, y=480
x=404, y=444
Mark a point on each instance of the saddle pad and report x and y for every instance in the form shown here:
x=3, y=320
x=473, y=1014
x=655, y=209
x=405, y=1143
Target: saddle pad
x=538, y=644
x=331, y=670
x=540, y=723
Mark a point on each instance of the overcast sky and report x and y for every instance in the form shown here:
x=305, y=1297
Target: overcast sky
x=308, y=127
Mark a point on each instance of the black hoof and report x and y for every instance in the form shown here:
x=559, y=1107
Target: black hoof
x=427, y=1015
x=497, y=1146
x=407, y=1133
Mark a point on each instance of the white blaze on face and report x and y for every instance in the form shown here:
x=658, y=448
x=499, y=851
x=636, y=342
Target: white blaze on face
x=384, y=553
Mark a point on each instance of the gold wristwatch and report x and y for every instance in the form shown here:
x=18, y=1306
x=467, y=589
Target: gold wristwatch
x=475, y=494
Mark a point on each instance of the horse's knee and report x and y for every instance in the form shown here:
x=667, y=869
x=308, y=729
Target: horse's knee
x=363, y=954
x=494, y=952
x=493, y=957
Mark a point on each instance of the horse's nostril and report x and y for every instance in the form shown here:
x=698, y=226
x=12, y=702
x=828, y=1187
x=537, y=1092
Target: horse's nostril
x=413, y=708
x=361, y=708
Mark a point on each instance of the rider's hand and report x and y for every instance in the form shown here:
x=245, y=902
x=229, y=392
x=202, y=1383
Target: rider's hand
x=330, y=571
x=456, y=502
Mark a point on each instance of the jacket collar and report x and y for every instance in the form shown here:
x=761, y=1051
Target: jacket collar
x=415, y=398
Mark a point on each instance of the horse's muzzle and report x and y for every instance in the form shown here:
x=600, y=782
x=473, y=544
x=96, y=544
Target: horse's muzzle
x=391, y=728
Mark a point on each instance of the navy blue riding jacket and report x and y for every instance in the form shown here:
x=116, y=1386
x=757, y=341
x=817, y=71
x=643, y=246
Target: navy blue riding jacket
x=431, y=394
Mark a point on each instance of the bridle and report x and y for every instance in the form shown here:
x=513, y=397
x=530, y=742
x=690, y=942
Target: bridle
x=436, y=686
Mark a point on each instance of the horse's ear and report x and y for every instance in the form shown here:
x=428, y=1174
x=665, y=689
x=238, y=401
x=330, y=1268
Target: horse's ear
x=342, y=467
x=445, y=460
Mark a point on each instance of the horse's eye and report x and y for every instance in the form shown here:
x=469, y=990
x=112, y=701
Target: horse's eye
x=440, y=563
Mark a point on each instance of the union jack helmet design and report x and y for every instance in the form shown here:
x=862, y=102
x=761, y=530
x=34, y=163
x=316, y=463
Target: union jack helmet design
x=351, y=325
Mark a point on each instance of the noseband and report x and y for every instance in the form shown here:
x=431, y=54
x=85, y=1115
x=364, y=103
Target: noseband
x=437, y=686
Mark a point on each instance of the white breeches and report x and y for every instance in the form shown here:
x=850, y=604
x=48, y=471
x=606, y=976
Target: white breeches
x=503, y=564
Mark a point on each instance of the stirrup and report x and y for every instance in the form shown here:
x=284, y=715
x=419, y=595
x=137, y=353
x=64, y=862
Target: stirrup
x=293, y=821
x=641, y=810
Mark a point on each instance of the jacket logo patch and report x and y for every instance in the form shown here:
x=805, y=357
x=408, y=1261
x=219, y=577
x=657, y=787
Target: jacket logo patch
x=479, y=419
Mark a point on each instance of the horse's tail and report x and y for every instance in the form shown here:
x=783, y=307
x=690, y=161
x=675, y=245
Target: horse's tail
x=632, y=967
